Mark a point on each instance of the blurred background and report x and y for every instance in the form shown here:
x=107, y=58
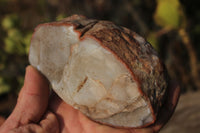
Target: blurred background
x=171, y=26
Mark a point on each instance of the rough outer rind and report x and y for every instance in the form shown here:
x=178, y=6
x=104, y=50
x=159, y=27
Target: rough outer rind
x=132, y=50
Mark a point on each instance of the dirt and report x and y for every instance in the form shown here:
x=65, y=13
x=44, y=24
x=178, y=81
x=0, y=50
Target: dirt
x=186, y=118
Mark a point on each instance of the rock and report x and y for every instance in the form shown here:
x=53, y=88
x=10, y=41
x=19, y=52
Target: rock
x=108, y=72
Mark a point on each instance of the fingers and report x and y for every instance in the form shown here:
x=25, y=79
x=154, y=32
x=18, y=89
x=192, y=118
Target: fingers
x=32, y=101
x=168, y=107
x=49, y=124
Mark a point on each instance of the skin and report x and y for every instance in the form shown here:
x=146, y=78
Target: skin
x=35, y=112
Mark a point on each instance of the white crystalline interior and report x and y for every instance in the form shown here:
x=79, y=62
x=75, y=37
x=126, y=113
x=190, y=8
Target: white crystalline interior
x=88, y=77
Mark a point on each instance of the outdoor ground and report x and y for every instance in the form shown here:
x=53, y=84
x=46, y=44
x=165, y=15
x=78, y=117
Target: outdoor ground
x=186, y=118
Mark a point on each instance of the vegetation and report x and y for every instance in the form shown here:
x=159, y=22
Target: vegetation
x=172, y=26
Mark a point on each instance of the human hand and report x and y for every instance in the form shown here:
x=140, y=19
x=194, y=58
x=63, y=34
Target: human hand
x=32, y=115
x=1, y=120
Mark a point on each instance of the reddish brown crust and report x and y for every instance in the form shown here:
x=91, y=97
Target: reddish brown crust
x=121, y=42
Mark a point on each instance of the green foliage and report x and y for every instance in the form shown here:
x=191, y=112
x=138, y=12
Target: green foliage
x=12, y=41
x=15, y=42
x=26, y=41
x=60, y=17
x=168, y=13
x=4, y=88
x=153, y=40
x=10, y=21
x=15, y=45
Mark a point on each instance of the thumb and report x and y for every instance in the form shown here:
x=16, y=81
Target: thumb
x=33, y=97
